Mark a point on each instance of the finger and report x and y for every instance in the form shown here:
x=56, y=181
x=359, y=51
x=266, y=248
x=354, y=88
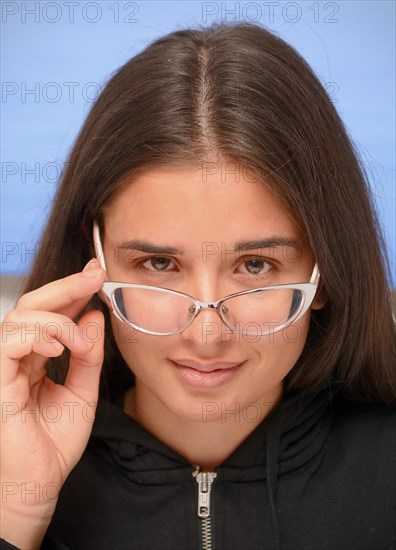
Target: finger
x=25, y=332
x=16, y=382
x=68, y=295
x=84, y=368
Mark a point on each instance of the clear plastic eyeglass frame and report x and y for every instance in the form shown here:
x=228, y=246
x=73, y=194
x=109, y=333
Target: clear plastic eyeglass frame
x=108, y=288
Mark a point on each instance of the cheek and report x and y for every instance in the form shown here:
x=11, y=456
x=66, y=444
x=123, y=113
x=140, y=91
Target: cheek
x=140, y=351
x=279, y=352
x=294, y=337
x=131, y=343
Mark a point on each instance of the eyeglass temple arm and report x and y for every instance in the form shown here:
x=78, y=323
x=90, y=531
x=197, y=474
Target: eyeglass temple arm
x=98, y=245
x=315, y=275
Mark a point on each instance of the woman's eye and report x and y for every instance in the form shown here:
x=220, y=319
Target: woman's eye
x=256, y=266
x=159, y=263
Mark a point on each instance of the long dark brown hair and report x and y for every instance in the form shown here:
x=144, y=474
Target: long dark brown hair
x=238, y=92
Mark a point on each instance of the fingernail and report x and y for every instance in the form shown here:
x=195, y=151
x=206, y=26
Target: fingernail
x=92, y=269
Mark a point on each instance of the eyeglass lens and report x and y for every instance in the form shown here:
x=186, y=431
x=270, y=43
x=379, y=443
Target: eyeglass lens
x=163, y=312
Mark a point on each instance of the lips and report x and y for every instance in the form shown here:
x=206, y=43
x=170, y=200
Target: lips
x=205, y=367
x=205, y=376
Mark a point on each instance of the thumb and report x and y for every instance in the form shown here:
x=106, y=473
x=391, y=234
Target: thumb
x=84, y=368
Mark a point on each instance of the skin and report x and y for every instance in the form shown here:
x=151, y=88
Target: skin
x=37, y=452
x=174, y=206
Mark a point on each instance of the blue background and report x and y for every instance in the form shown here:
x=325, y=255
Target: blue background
x=63, y=55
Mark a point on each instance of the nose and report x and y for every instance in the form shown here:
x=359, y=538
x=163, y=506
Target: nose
x=207, y=327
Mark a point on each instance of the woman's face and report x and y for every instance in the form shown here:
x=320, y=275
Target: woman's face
x=204, y=217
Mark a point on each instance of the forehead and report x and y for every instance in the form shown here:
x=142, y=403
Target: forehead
x=182, y=203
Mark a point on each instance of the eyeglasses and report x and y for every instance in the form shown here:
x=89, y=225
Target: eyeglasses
x=165, y=312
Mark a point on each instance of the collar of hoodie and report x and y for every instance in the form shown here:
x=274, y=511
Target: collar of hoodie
x=288, y=437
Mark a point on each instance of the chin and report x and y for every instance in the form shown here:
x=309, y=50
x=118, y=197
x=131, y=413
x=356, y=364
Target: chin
x=200, y=409
x=205, y=406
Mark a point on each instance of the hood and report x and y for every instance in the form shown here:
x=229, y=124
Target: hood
x=288, y=437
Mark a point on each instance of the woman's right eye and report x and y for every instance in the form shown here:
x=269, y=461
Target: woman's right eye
x=158, y=262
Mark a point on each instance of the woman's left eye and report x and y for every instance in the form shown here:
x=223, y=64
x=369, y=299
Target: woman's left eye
x=258, y=266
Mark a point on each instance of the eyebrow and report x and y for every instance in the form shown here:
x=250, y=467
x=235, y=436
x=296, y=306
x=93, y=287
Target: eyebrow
x=270, y=242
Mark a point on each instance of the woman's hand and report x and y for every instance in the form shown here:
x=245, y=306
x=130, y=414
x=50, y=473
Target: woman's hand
x=45, y=426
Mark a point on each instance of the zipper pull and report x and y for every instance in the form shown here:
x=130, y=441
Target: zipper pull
x=204, y=480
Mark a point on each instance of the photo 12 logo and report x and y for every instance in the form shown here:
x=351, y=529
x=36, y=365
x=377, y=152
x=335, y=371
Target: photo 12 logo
x=30, y=491
x=253, y=412
x=50, y=92
x=271, y=12
x=70, y=12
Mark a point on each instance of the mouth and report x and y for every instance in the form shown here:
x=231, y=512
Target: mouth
x=206, y=376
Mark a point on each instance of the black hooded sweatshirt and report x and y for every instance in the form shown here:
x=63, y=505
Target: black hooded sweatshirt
x=317, y=473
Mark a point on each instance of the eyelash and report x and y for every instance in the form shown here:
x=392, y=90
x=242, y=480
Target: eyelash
x=247, y=259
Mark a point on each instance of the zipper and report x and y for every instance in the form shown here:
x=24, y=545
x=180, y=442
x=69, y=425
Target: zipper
x=204, y=480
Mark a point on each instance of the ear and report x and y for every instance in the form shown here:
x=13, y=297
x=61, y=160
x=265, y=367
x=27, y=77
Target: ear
x=319, y=301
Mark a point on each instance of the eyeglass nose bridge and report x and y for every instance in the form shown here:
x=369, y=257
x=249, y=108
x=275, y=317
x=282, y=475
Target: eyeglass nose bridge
x=199, y=306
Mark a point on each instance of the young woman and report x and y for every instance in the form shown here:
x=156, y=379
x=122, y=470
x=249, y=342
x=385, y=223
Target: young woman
x=221, y=373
